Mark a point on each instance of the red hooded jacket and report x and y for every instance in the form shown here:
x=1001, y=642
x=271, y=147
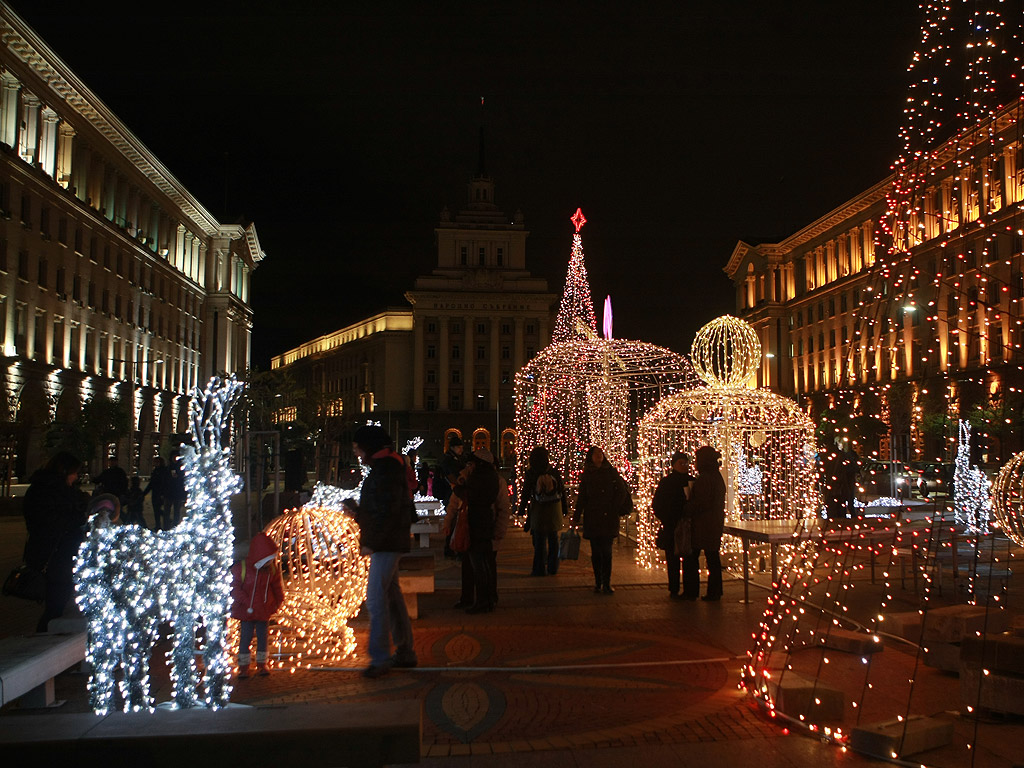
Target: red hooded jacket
x=256, y=586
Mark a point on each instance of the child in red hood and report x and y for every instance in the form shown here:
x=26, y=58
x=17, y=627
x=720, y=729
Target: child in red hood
x=257, y=591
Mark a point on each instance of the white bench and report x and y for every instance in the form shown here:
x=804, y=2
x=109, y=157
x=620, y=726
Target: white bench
x=28, y=664
x=415, y=577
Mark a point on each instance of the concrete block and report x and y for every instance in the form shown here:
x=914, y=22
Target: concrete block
x=944, y=656
x=795, y=695
x=28, y=662
x=1002, y=654
x=894, y=739
x=953, y=623
x=860, y=643
x=1000, y=693
x=906, y=625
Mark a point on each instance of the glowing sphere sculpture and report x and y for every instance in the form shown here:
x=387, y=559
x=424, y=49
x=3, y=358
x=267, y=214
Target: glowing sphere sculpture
x=726, y=352
x=324, y=584
x=1008, y=499
x=592, y=391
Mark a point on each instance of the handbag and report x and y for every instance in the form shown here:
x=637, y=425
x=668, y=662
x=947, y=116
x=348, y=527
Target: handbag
x=26, y=583
x=569, y=545
x=684, y=536
x=460, y=538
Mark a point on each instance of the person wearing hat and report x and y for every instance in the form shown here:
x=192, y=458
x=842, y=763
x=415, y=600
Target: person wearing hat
x=481, y=496
x=706, y=510
x=667, y=504
x=384, y=516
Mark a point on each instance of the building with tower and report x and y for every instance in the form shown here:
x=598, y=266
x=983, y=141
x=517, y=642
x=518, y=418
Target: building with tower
x=116, y=284
x=447, y=365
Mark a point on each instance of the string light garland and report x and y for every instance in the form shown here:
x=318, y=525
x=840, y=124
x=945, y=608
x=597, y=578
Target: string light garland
x=576, y=314
x=129, y=580
x=1008, y=499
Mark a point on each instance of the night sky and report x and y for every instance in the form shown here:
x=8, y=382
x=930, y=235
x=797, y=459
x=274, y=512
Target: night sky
x=679, y=128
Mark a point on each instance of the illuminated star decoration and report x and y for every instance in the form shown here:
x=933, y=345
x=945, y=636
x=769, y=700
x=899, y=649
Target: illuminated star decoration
x=129, y=580
x=578, y=219
x=576, y=319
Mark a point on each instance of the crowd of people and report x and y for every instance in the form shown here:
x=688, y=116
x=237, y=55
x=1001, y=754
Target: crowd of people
x=478, y=506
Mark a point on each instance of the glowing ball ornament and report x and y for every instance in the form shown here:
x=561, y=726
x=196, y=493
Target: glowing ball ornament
x=1008, y=499
x=325, y=580
x=726, y=352
x=129, y=580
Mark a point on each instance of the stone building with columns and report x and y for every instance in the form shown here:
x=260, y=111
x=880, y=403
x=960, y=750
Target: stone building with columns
x=114, y=280
x=927, y=338
x=447, y=365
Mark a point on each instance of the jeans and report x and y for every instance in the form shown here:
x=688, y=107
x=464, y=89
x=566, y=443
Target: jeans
x=545, y=553
x=388, y=615
x=246, y=630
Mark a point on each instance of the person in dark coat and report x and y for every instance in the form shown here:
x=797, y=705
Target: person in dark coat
x=706, y=510
x=385, y=515
x=113, y=480
x=667, y=505
x=54, y=513
x=447, y=477
x=481, y=495
x=603, y=498
x=544, y=507
x=257, y=591
x=160, y=485
x=179, y=494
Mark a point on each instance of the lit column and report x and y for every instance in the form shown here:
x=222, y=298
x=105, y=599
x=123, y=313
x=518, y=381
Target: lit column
x=467, y=359
x=28, y=141
x=65, y=146
x=495, y=362
x=444, y=355
x=417, y=363
x=9, y=109
x=48, y=142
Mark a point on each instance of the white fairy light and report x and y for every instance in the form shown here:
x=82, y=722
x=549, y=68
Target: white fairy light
x=129, y=580
x=972, y=504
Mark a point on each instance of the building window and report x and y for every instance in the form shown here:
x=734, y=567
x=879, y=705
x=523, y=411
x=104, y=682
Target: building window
x=463, y=256
x=76, y=289
x=530, y=329
x=481, y=328
x=3, y=255
x=506, y=329
x=480, y=256
x=506, y=352
x=431, y=327
x=26, y=210
x=501, y=256
x=431, y=352
x=431, y=403
x=23, y=265
x=455, y=352
x=94, y=249
x=431, y=376
x=456, y=376
x=78, y=240
x=44, y=222
x=456, y=328
x=481, y=403
x=42, y=273
x=92, y=295
x=61, y=282
x=529, y=352
x=456, y=401
x=481, y=352
x=832, y=338
x=62, y=231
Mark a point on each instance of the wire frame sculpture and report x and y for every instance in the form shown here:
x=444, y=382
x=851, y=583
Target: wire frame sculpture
x=1008, y=499
x=726, y=352
x=767, y=447
x=325, y=580
x=585, y=392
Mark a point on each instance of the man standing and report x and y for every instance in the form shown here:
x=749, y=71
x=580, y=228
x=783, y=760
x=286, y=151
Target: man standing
x=160, y=486
x=668, y=501
x=384, y=516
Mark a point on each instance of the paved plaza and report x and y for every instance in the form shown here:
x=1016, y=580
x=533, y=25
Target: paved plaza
x=559, y=675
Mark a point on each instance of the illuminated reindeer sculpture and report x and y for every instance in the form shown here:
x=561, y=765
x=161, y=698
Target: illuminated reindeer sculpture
x=129, y=579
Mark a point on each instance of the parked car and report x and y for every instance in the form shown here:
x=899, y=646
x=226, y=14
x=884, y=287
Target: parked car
x=933, y=478
x=886, y=478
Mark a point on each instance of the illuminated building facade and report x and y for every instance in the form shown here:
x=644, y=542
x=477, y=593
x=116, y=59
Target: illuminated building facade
x=115, y=282
x=934, y=334
x=448, y=364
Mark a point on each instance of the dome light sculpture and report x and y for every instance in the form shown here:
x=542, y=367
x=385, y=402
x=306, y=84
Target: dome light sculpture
x=766, y=441
x=1008, y=499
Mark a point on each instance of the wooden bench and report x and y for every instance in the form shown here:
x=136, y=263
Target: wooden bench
x=415, y=577
x=364, y=735
x=28, y=664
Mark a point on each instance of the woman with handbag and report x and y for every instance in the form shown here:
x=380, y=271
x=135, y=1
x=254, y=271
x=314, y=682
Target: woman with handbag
x=543, y=500
x=603, y=498
x=706, y=511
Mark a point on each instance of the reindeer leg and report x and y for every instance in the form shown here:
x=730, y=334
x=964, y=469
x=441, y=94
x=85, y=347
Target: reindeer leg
x=183, y=662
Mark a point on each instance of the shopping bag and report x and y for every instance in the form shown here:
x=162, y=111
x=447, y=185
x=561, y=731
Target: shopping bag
x=569, y=545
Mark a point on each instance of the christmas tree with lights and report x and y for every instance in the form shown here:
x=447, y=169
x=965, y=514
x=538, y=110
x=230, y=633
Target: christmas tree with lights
x=576, y=314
